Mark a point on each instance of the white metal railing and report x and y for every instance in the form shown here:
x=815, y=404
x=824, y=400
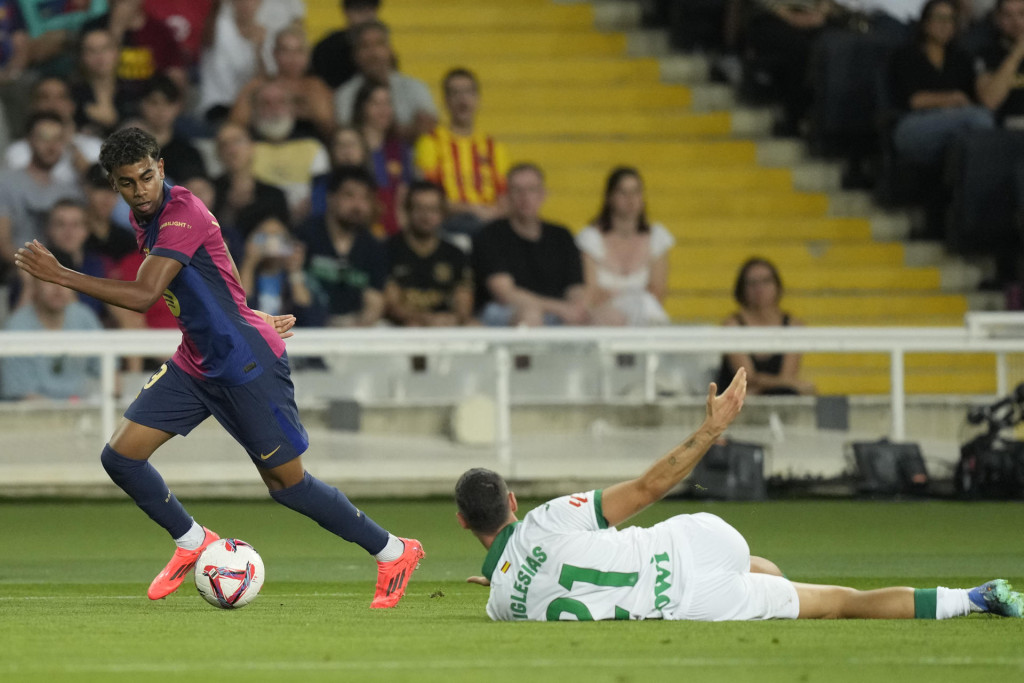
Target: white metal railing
x=499, y=344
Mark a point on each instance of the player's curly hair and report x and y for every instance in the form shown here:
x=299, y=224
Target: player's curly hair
x=482, y=497
x=128, y=146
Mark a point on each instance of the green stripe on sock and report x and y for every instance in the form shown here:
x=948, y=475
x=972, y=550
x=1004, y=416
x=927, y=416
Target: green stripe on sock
x=926, y=601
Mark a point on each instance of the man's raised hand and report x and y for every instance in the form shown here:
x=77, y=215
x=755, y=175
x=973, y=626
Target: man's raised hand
x=722, y=410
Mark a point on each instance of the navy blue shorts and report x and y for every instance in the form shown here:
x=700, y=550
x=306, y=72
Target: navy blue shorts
x=261, y=414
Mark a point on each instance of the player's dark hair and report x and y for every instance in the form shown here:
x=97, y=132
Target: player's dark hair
x=739, y=291
x=128, y=146
x=459, y=72
x=481, y=496
x=344, y=174
x=604, y=217
x=420, y=186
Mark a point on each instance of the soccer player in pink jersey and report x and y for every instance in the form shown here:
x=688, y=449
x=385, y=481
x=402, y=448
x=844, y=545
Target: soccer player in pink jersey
x=231, y=364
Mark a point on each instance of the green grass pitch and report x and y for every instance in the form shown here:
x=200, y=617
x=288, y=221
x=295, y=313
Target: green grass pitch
x=73, y=577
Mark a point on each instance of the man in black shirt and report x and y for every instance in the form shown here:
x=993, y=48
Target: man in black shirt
x=1000, y=80
x=332, y=59
x=346, y=266
x=430, y=282
x=528, y=271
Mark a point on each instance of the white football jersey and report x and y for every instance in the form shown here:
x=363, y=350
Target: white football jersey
x=562, y=562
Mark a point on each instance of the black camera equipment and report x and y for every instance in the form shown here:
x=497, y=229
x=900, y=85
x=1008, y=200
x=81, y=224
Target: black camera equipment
x=992, y=466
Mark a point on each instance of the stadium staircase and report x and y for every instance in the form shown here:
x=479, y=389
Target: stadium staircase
x=577, y=88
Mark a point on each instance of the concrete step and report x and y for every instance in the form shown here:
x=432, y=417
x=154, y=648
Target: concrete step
x=684, y=69
x=614, y=15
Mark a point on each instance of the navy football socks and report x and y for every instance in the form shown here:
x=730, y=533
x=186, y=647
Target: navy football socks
x=143, y=483
x=331, y=509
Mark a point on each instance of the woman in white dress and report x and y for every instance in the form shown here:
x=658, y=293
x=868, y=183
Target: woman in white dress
x=625, y=258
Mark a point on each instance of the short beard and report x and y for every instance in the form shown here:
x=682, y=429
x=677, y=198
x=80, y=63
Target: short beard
x=276, y=130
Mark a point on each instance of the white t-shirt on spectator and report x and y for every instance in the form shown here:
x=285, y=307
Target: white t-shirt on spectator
x=231, y=61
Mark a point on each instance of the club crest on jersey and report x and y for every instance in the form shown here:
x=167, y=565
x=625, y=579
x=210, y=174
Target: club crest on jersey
x=172, y=303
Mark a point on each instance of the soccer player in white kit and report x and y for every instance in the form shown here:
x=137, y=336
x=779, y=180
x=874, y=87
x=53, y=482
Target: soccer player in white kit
x=566, y=561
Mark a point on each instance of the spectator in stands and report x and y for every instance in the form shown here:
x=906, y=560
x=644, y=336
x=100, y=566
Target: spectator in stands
x=111, y=242
x=162, y=104
x=346, y=264
x=101, y=99
x=625, y=258
x=781, y=34
x=347, y=148
x=528, y=271
x=242, y=201
x=333, y=59
x=232, y=59
x=147, y=45
x=49, y=307
x=415, y=111
x=67, y=236
x=272, y=276
x=80, y=149
x=932, y=82
x=469, y=164
x=314, y=102
x=14, y=59
x=893, y=18
x=1001, y=66
x=286, y=154
x=390, y=155
x=187, y=20
x=430, y=284
x=28, y=194
x=758, y=291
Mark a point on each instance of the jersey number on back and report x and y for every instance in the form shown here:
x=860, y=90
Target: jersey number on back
x=571, y=574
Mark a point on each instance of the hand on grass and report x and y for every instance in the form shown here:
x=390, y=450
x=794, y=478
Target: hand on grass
x=479, y=580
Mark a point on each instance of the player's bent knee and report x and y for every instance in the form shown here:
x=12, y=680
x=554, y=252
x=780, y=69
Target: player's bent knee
x=759, y=565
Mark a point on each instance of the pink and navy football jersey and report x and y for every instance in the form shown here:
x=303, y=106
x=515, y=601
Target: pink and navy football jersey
x=222, y=340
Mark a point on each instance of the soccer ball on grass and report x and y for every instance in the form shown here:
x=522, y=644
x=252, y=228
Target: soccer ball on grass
x=229, y=573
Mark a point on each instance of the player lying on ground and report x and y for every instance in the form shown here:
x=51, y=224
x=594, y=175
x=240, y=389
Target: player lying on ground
x=565, y=561
x=231, y=364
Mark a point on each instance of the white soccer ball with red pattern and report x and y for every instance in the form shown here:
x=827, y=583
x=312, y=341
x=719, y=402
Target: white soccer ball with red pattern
x=229, y=573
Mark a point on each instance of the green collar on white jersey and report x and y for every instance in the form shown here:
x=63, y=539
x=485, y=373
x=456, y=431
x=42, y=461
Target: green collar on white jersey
x=497, y=548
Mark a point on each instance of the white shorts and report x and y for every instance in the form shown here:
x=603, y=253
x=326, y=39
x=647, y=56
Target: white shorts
x=717, y=582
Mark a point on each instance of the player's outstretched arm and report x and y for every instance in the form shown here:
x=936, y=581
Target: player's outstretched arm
x=155, y=274
x=622, y=501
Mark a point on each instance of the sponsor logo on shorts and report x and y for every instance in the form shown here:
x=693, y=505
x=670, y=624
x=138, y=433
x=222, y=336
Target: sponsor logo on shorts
x=268, y=455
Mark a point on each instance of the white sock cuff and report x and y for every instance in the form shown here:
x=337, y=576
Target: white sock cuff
x=392, y=551
x=193, y=538
x=951, y=602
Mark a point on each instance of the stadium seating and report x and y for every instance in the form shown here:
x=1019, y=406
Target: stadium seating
x=569, y=97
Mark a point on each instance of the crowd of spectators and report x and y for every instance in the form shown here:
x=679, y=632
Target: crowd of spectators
x=344, y=195
x=912, y=94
